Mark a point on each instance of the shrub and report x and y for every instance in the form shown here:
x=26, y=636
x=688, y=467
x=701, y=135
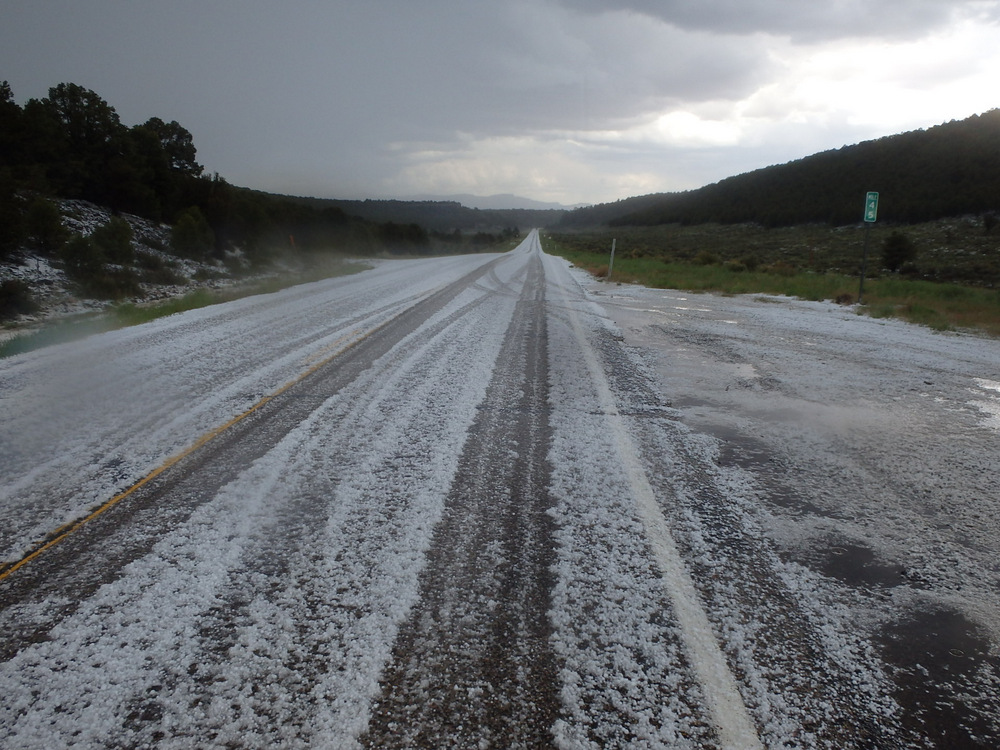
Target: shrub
x=114, y=240
x=111, y=284
x=82, y=257
x=85, y=263
x=898, y=249
x=154, y=242
x=11, y=219
x=16, y=299
x=782, y=268
x=705, y=258
x=155, y=271
x=192, y=236
x=44, y=227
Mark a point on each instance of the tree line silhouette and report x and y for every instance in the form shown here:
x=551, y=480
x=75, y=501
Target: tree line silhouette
x=73, y=145
x=948, y=170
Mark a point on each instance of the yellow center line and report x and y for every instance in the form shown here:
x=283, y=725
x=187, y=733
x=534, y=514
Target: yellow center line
x=65, y=530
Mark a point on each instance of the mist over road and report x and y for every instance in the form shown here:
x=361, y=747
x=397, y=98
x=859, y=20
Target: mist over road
x=484, y=501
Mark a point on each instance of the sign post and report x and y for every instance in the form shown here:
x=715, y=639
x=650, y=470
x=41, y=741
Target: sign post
x=871, y=211
x=611, y=263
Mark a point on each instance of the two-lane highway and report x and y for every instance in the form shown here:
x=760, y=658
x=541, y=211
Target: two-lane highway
x=440, y=503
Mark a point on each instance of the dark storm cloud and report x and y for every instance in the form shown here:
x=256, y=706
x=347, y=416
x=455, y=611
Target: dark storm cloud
x=599, y=71
x=377, y=69
x=351, y=98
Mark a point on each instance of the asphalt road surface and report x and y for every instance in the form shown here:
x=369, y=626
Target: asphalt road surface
x=485, y=501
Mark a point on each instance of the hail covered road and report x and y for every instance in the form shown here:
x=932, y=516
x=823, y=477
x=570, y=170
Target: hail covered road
x=476, y=502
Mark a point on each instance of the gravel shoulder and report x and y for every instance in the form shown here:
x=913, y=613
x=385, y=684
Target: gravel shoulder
x=868, y=452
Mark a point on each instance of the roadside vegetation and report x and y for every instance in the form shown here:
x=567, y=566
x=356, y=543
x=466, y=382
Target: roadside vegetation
x=943, y=274
x=130, y=313
x=118, y=216
x=934, y=254
x=949, y=170
x=72, y=146
x=15, y=297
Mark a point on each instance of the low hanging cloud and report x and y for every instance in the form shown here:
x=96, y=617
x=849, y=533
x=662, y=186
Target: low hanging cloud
x=805, y=21
x=681, y=94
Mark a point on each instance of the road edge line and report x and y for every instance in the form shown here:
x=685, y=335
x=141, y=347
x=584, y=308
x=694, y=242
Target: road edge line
x=59, y=534
x=725, y=703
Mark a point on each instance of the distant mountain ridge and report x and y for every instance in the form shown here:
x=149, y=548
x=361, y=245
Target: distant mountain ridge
x=947, y=170
x=498, y=202
x=438, y=216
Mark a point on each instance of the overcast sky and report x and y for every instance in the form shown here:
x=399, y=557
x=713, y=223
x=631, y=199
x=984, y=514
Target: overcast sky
x=571, y=101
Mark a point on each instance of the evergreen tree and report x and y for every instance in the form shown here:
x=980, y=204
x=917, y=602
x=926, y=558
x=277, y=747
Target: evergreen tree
x=11, y=223
x=177, y=144
x=89, y=134
x=10, y=127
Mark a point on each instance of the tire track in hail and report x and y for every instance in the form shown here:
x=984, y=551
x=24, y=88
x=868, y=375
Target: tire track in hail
x=37, y=596
x=473, y=666
x=268, y=570
x=289, y=579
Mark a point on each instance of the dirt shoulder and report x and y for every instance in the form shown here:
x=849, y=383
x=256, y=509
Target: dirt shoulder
x=874, y=446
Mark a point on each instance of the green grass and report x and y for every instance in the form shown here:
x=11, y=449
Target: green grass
x=129, y=314
x=949, y=250
x=715, y=267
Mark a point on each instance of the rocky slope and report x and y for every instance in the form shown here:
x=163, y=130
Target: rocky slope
x=161, y=274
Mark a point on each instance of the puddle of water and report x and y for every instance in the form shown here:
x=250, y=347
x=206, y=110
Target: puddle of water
x=990, y=408
x=857, y=566
x=688, y=402
x=933, y=656
x=750, y=454
x=990, y=385
x=741, y=451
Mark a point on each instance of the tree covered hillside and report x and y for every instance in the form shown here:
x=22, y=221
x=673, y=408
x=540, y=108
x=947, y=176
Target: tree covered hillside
x=73, y=145
x=949, y=170
x=441, y=216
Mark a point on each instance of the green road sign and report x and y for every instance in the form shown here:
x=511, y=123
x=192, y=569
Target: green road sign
x=871, y=206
